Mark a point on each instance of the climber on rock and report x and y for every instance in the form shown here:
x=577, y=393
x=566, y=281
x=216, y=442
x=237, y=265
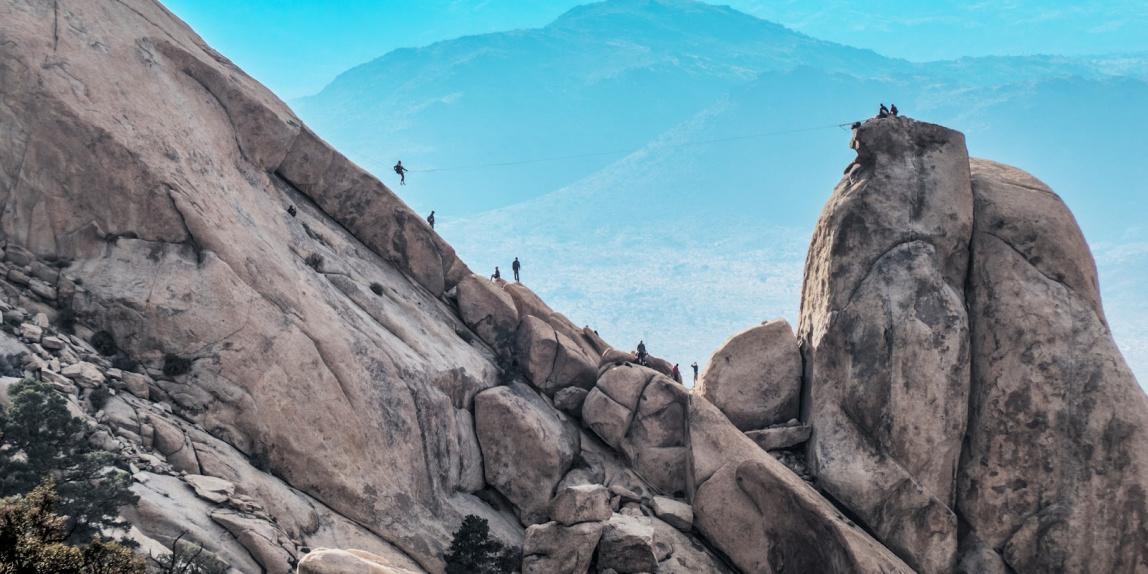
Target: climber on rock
x=883, y=112
x=695, y=366
x=641, y=353
x=291, y=210
x=402, y=171
x=677, y=374
x=496, y=275
x=515, y=267
x=893, y=110
x=430, y=219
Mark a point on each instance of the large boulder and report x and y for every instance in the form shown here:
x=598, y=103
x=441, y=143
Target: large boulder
x=755, y=376
x=527, y=447
x=1055, y=468
x=885, y=334
x=552, y=548
x=580, y=503
x=763, y=516
x=550, y=360
x=488, y=310
x=627, y=545
x=333, y=561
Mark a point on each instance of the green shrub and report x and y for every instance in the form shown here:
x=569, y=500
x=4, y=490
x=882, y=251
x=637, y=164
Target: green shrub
x=174, y=365
x=40, y=439
x=66, y=320
x=98, y=398
x=473, y=551
x=32, y=540
x=125, y=363
x=104, y=343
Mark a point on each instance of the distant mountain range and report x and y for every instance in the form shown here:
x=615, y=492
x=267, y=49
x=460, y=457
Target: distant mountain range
x=721, y=128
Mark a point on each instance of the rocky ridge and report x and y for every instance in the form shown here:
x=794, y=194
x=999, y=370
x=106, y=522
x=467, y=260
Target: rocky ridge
x=336, y=377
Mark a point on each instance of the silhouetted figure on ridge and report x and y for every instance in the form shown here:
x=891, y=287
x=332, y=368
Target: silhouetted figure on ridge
x=402, y=171
x=496, y=275
x=883, y=112
x=515, y=267
x=641, y=352
x=430, y=219
x=893, y=110
x=695, y=366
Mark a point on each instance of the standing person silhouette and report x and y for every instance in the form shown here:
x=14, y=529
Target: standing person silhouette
x=515, y=267
x=402, y=171
x=430, y=219
x=695, y=366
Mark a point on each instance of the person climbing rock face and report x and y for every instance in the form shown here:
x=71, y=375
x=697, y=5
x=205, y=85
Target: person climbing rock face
x=291, y=210
x=677, y=374
x=402, y=171
x=515, y=267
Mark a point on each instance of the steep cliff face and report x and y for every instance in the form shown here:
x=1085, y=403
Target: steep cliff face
x=960, y=378
x=162, y=173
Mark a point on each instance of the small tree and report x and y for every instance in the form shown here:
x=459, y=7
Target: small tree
x=32, y=541
x=40, y=439
x=473, y=551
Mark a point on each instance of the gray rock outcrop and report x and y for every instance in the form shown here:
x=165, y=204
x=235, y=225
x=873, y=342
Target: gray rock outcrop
x=1055, y=466
x=885, y=336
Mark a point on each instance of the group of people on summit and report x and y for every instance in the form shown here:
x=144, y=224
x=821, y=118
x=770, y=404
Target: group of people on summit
x=677, y=373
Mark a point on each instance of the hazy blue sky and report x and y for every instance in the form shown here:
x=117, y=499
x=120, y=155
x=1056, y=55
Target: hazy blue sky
x=296, y=47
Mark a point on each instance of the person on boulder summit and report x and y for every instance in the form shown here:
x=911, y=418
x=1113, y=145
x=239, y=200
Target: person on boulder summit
x=677, y=374
x=515, y=267
x=402, y=171
x=496, y=275
x=695, y=366
x=430, y=219
x=641, y=352
x=883, y=112
x=893, y=110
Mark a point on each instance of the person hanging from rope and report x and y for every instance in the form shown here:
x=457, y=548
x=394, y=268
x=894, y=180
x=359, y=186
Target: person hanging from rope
x=402, y=171
x=893, y=110
x=641, y=352
x=883, y=112
x=496, y=275
x=430, y=219
x=515, y=267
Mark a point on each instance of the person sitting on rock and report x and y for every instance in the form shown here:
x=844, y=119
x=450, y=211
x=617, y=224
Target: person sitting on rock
x=893, y=110
x=402, y=171
x=496, y=275
x=641, y=353
x=883, y=112
x=430, y=219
